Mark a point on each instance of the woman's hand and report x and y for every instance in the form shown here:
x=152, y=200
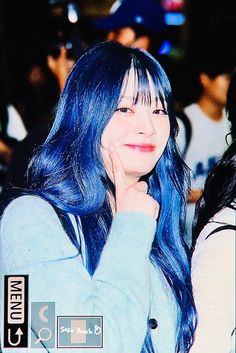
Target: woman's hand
x=130, y=198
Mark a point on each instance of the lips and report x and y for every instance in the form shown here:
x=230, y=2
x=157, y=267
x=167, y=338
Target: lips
x=142, y=147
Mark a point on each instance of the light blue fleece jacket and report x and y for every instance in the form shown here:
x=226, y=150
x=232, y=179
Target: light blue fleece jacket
x=125, y=288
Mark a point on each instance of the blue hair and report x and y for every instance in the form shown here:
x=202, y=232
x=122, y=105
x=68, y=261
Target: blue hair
x=68, y=169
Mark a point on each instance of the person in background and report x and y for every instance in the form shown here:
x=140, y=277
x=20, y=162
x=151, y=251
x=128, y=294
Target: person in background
x=63, y=50
x=35, y=94
x=12, y=130
x=203, y=127
x=213, y=260
x=231, y=106
x=135, y=23
x=106, y=188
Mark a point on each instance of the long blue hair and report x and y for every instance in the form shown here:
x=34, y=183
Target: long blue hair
x=69, y=172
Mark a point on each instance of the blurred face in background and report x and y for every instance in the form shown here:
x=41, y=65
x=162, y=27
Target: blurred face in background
x=127, y=36
x=36, y=76
x=216, y=88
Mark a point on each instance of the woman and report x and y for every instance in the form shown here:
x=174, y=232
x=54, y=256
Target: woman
x=213, y=261
x=230, y=104
x=111, y=171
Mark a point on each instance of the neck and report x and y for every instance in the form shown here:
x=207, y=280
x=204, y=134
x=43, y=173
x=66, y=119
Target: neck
x=213, y=111
x=131, y=180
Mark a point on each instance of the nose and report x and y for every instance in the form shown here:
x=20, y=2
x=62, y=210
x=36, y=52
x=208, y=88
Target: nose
x=144, y=125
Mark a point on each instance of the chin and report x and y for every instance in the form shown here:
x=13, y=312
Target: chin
x=141, y=166
x=139, y=171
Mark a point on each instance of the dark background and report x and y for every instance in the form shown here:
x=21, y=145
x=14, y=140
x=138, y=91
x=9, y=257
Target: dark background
x=25, y=28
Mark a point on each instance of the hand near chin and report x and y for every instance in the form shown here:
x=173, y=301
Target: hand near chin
x=132, y=198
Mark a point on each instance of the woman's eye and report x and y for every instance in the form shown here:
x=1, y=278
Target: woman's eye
x=160, y=112
x=123, y=110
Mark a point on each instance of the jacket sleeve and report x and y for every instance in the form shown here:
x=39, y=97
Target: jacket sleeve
x=33, y=242
x=213, y=271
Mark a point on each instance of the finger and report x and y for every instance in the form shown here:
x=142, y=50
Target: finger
x=63, y=52
x=117, y=170
x=141, y=186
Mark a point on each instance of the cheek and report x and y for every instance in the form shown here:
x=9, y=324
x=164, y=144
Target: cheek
x=115, y=130
x=107, y=161
x=163, y=131
x=220, y=88
x=167, y=129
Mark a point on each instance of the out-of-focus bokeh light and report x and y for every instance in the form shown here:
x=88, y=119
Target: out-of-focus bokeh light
x=73, y=13
x=174, y=18
x=165, y=48
x=172, y=5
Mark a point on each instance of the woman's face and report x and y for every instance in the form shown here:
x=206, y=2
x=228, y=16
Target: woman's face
x=139, y=132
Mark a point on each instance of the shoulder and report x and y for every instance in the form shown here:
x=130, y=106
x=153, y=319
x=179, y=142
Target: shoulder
x=32, y=232
x=224, y=217
x=26, y=201
x=197, y=118
x=185, y=113
x=27, y=208
x=191, y=109
x=217, y=248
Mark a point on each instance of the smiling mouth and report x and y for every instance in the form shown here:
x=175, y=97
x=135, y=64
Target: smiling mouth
x=141, y=147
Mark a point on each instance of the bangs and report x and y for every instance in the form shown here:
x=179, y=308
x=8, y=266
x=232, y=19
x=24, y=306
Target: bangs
x=144, y=78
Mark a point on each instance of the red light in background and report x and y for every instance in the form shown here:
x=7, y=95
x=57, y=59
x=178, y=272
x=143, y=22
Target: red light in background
x=173, y=5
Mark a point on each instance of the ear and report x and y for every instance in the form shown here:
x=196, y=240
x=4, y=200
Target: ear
x=204, y=79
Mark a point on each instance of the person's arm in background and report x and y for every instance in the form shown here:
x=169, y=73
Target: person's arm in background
x=13, y=132
x=15, y=126
x=5, y=151
x=60, y=66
